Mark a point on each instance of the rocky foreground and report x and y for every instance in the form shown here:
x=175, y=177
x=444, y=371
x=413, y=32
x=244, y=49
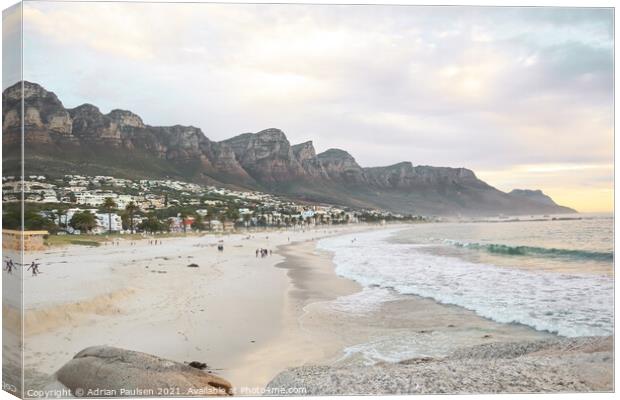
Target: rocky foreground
x=105, y=371
x=555, y=365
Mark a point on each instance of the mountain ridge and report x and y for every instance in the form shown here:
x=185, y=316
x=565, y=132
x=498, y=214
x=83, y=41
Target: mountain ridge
x=119, y=142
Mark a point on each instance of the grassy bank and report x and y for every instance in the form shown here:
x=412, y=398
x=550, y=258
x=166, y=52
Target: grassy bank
x=97, y=240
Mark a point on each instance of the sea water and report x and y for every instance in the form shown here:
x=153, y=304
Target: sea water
x=554, y=275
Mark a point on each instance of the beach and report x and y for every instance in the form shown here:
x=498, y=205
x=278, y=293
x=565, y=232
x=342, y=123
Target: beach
x=226, y=312
x=249, y=318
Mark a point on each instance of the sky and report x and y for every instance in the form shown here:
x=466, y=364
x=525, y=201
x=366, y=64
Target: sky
x=522, y=96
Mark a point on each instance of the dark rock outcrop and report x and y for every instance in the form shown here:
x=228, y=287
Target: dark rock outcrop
x=44, y=114
x=107, y=371
x=306, y=157
x=405, y=176
x=341, y=167
x=267, y=156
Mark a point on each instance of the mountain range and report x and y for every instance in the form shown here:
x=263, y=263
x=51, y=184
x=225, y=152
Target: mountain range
x=84, y=140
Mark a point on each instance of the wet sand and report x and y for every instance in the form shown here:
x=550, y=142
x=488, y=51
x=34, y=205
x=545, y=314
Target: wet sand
x=347, y=327
x=410, y=344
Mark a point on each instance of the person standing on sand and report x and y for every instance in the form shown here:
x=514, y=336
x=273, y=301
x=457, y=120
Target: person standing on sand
x=257, y=253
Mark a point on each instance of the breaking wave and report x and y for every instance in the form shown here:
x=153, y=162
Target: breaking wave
x=497, y=248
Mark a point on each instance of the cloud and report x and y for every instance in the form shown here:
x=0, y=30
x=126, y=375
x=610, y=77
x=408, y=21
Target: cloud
x=11, y=45
x=486, y=88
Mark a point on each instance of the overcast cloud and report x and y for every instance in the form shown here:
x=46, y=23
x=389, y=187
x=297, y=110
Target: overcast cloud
x=523, y=96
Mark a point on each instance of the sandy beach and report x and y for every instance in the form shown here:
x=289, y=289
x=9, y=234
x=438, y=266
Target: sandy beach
x=249, y=318
x=235, y=311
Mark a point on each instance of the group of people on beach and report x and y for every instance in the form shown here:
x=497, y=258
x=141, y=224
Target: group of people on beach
x=263, y=253
x=9, y=266
x=155, y=242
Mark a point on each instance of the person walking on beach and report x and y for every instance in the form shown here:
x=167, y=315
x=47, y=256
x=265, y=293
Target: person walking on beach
x=35, y=268
x=9, y=266
x=257, y=251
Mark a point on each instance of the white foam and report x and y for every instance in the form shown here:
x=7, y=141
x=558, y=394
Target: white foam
x=367, y=300
x=402, y=346
x=568, y=304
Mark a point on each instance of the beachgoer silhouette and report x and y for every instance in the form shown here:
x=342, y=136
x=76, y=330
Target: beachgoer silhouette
x=9, y=266
x=35, y=268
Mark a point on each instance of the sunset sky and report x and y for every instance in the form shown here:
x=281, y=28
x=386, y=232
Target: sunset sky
x=523, y=96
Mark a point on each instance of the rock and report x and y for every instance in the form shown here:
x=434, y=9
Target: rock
x=552, y=365
x=126, y=118
x=404, y=175
x=44, y=115
x=192, y=265
x=340, y=166
x=306, y=156
x=112, y=371
x=198, y=365
x=266, y=155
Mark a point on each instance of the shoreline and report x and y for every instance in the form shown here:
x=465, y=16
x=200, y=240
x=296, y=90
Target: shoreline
x=448, y=342
x=249, y=318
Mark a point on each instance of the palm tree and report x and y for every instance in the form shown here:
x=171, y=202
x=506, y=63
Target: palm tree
x=198, y=223
x=131, y=209
x=109, y=205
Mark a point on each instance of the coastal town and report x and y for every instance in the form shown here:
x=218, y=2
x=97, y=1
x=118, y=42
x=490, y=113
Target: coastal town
x=79, y=204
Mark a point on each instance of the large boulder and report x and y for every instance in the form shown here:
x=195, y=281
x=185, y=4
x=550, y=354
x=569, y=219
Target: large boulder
x=109, y=371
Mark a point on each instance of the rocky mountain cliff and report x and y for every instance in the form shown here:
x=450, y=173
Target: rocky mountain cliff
x=84, y=140
x=533, y=195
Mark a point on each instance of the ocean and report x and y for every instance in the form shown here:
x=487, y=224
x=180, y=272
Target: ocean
x=552, y=275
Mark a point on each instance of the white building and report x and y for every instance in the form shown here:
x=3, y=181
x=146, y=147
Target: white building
x=103, y=221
